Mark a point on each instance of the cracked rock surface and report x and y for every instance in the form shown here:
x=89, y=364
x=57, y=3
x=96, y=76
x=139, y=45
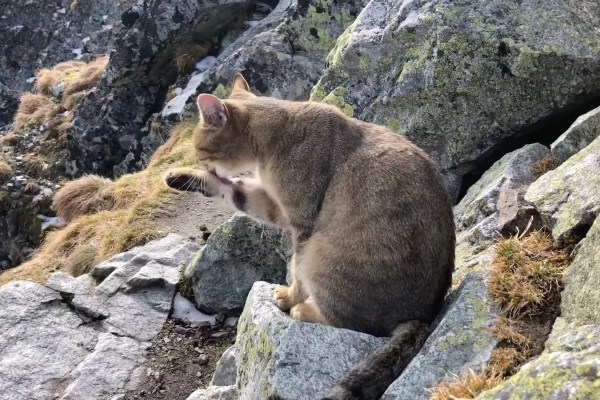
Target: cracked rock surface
x=73, y=339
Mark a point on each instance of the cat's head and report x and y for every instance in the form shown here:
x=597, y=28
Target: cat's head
x=221, y=137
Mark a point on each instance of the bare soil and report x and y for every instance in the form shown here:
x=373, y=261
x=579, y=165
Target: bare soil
x=192, y=215
x=182, y=359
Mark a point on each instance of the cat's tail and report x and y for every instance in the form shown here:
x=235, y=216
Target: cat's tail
x=369, y=379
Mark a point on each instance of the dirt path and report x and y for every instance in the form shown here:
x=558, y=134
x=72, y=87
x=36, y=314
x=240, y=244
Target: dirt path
x=182, y=359
x=192, y=215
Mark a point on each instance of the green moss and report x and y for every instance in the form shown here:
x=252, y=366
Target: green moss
x=256, y=354
x=318, y=93
x=335, y=56
x=336, y=98
x=393, y=124
x=221, y=91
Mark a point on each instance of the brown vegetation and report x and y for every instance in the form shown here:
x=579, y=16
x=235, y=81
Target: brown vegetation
x=108, y=217
x=543, y=165
x=187, y=55
x=525, y=283
x=5, y=170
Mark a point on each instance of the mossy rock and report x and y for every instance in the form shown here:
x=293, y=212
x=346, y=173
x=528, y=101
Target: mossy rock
x=458, y=77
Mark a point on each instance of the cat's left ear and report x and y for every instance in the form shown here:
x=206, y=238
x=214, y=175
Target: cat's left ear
x=212, y=110
x=240, y=84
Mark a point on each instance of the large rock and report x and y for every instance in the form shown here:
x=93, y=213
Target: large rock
x=286, y=359
x=215, y=393
x=458, y=77
x=512, y=174
x=463, y=339
x=37, y=34
x=74, y=340
x=583, y=131
x=494, y=204
x=237, y=254
x=568, y=198
x=138, y=74
x=581, y=296
x=282, y=56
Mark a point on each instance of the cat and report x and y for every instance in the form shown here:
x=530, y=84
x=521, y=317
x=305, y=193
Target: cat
x=371, y=221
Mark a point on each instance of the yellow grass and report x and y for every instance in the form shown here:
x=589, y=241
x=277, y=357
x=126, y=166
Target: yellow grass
x=525, y=277
x=467, y=386
x=5, y=170
x=10, y=139
x=108, y=217
x=524, y=272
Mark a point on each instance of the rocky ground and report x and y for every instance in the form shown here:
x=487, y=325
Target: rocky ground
x=503, y=95
x=182, y=358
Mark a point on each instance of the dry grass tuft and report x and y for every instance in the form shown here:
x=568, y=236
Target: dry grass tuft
x=34, y=164
x=5, y=170
x=543, y=165
x=34, y=109
x=524, y=272
x=525, y=283
x=107, y=217
x=10, y=139
x=187, y=55
x=468, y=386
x=84, y=196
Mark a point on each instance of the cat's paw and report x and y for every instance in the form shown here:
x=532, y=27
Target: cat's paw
x=282, y=298
x=189, y=180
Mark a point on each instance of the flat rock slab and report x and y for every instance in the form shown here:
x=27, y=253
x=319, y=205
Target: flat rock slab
x=74, y=340
x=568, y=197
x=583, y=132
x=463, y=339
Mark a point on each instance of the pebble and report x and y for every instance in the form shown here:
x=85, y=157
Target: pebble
x=181, y=330
x=202, y=359
x=220, y=334
x=220, y=318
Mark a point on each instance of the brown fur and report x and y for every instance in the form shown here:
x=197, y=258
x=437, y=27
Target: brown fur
x=371, y=222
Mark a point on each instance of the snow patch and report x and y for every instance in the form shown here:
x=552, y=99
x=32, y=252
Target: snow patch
x=185, y=310
x=206, y=63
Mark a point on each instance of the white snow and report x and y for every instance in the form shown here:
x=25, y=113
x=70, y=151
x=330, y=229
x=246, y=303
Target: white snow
x=77, y=52
x=184, y=309
x=178, y=91
x=62, y=11
x=206, y=63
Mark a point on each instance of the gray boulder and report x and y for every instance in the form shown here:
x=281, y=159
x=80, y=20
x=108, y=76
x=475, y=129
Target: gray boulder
x=286, y=359
x=282, y=56
x=568, y=198
x=74, y=340
x=138, y=74
x=226, y=369
x=237, y=254
x=463, y=339
x=581, y=296
x=566, y=370
x=495, y=204
x=583, y=131
x=460, y=77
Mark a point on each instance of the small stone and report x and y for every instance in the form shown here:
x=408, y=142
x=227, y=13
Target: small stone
x=220, y=334
x=203, y=228
x=220, y=318
x=203, y=359
x=181, y=330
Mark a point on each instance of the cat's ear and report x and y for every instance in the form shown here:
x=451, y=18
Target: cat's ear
x=240, y=84
x=212, y=110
